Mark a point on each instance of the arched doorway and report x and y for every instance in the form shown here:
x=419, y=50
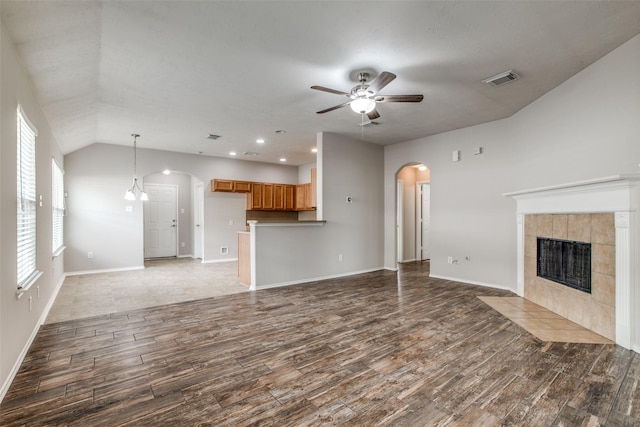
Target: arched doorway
x=413, y=212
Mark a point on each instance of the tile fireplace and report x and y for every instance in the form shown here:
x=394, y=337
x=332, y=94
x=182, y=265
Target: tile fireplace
x=604, y=213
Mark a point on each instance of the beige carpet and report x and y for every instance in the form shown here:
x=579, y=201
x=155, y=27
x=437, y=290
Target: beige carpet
x=161, y=282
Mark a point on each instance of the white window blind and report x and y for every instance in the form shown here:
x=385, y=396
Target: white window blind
x=57, y=206
x=26, y=180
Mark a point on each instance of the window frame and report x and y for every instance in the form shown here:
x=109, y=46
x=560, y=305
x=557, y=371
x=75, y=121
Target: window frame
x=27, y=204
x=58, y=209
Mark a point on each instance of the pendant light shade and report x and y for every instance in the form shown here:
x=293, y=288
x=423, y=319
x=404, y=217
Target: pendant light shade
x=135, y=187
x=363, y=105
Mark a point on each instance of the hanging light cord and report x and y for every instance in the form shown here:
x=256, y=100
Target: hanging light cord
x=132, y=191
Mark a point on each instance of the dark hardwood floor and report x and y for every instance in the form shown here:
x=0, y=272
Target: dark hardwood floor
x=375, y=349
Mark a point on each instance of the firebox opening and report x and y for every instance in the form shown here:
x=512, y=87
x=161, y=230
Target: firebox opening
x=566, y=262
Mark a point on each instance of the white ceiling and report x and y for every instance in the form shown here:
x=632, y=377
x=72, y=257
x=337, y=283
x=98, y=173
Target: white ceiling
x=176, y=71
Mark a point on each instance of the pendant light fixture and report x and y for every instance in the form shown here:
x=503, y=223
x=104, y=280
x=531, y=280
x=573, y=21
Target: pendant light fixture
x=131, y=192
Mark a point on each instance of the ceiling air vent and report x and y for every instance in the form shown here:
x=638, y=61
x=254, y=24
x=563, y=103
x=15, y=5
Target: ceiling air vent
x=212, y=136
x=250, y=153
x=502, y=78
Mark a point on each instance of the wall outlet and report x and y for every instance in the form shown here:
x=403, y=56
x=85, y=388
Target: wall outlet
x=182, y=244
x=90, y=255
x=450, y=260
x=340, y=258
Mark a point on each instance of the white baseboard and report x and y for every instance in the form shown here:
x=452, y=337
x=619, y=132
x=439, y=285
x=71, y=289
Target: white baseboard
x=43, y=317
x=315, y=279
x=185, y=256
x=106, y=270
x=473, y=282
x=209, y=261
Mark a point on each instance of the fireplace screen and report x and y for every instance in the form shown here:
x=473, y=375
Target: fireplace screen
x=565, y=262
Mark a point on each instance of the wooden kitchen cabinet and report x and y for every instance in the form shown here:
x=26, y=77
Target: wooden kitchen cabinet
x=254, y=198
x=268, y=196
x=284, y=197
x=230, y=186
x=314, y=188
x=303, y=197
x=225, y=185
x=241, y=186
x=278, y=197
x=289, y=197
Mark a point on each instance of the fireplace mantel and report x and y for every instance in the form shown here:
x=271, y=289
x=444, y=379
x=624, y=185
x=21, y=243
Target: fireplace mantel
x=619, y=194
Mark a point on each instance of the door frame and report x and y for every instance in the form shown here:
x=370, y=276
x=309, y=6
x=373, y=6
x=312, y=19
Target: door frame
x=198, y=228
x=419, y=218
x=399, y=220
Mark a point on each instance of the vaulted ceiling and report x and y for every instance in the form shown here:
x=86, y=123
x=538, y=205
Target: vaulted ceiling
x=177, y=71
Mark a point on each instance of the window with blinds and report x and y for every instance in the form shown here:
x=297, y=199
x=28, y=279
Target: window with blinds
x=26, y=180
x=57, y=206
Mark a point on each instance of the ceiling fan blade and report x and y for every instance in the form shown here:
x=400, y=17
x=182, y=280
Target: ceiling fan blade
x=399, y=98
x=333, y=108
x=373, y=115
x=326, y=89
x=381, y=81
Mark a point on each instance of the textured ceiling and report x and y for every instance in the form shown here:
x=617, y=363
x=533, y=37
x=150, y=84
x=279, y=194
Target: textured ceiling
x=175, y=72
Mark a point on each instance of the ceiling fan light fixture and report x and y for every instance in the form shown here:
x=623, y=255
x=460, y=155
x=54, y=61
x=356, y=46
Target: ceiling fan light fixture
x=363, y=105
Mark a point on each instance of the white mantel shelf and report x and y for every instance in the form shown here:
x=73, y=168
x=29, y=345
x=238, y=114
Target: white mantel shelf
x=605, y=180
x=618, y=194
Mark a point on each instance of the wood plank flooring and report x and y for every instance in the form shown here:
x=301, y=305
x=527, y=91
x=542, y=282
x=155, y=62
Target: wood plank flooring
x=381, y=348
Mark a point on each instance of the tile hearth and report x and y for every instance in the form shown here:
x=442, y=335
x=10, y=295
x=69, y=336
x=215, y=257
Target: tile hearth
x=542, y=323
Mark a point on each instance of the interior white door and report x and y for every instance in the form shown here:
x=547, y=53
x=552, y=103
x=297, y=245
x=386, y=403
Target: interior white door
x=160, y=221
x=198, y=214
x=425, y=220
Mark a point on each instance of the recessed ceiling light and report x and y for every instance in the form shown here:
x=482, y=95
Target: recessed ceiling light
x=232, y=153
x=166, y=172
x=314, y=150
x=279, y=131
x=282, y=159
x=260, y=141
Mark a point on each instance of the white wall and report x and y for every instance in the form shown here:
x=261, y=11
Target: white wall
x=354, y=230
x=19, y=322
x=585, y=128
x=97, y=177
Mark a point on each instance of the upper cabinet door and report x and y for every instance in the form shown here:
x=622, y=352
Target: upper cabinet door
x=268, y=196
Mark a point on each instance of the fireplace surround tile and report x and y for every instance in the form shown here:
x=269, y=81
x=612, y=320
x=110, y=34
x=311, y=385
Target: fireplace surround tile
x=603, y=229
x=559, y=226
x=603, y=259
x=579, y=228
x=544, y=226
x=603, y=289
x=595, y=311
